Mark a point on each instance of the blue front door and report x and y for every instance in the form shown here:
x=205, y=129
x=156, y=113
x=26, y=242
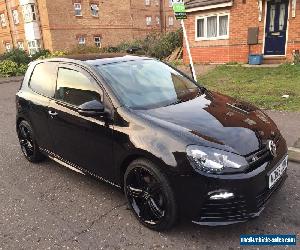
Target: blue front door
x=276, y=26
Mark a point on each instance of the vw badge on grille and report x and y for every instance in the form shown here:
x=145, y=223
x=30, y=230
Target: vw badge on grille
x=272, y=147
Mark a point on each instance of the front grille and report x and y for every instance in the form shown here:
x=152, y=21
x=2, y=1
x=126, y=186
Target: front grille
x=258, y=158
x=234, y=209
x=261, y=156
x=264, y=151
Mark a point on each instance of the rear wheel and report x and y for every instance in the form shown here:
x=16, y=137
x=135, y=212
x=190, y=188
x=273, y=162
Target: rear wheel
x=28, y=143
x=150, y=196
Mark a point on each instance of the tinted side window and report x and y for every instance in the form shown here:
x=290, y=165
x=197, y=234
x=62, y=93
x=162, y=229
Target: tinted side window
x=75, y=88
x=43, y=79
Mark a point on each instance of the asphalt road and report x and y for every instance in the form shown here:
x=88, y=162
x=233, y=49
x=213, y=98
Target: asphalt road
x=46, y=206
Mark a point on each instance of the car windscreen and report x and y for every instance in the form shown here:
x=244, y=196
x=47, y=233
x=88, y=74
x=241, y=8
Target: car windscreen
x=146, y=84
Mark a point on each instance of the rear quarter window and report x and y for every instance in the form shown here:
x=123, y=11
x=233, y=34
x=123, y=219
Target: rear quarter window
x=43, y=79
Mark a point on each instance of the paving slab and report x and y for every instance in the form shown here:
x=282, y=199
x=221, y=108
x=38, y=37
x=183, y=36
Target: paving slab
x=288, y=123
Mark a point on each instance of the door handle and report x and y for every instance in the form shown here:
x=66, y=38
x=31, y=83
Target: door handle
x=52, y=113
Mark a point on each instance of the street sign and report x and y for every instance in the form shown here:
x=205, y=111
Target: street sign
x=179, y=9
x=180, y=14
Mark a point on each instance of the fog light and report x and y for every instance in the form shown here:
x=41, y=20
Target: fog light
x=221, y=195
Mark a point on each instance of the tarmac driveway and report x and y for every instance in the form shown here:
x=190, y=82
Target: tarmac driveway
x=46, y=206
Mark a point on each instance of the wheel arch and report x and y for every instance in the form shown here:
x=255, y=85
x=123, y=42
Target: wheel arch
x=138, y=155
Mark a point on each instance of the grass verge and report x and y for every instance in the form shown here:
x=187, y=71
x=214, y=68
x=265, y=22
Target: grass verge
x=263, y=87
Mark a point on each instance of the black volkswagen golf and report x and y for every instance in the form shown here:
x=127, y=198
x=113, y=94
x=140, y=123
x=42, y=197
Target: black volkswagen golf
x=176, y=148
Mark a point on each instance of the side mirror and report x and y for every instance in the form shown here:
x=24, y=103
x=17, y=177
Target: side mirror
x=91, y=109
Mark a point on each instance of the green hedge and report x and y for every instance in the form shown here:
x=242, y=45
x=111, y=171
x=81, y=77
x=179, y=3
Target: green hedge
x=10, y=68
x=15, y=62
x=155, y=44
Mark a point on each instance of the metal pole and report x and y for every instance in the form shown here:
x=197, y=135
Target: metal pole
x=188, y=50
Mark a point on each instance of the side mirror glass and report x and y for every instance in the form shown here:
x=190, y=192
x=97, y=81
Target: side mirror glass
x=92, y=108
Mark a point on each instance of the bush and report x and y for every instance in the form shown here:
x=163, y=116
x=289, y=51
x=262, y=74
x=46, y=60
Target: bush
x=154, y=45
x=82, y=49
x=54, y=54
x=39, y=54
x=296, y=57
x=16, y=55
x=22, y=69
x=162, y=46
x=10, y=68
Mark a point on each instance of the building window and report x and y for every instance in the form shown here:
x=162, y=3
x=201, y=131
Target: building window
x=157, y=19
x=81, y=40
x=212, y=27
x=95, y=10
x=34, y=46
x=7, y=47
x=15, y=16
x=171, y=21
x=156, y=2
x=147, y=2
x=148, y=20
x=2, y=20
x=20, y=45
x=97, y=41
x=77, y=8
x=29, y=12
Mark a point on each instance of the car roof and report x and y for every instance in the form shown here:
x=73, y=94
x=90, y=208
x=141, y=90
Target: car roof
x=98, y=59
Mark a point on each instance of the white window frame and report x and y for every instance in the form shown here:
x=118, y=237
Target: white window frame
x=29, y=13
x=204, y=17
x=81, y=40
x=34, y=46
x=3, y=20
x=148, y=20
x=157, y=20
x=15, y=15
x=147, y=2
x=96, y=8
x=20, y=45
x=77, y=7
x=7, y=47
x=97, y=42
x=169, y=19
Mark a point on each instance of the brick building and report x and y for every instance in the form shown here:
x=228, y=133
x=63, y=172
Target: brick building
x=220, y=31
x=63, y=24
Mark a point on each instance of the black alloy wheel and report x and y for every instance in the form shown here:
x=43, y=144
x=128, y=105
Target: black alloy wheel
x=150, y=196
x=28, y=144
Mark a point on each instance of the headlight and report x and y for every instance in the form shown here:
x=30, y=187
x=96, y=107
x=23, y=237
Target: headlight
x=213, y=160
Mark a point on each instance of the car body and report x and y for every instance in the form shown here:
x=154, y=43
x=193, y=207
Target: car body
x=169, y=136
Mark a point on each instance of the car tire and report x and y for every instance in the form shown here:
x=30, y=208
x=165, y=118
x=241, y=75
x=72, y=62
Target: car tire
x=28, y=142
x=150, y=195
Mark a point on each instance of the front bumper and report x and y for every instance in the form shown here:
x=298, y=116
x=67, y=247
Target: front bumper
x=235, y=210
x=251, y=193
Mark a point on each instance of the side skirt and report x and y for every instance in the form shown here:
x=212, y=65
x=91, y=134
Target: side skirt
x=74, y=167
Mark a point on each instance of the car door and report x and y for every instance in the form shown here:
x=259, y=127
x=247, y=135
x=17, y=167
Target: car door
x=41, y=89
x=84, y=141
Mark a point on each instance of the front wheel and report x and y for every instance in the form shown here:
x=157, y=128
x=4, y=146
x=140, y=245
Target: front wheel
x=150, y=196
x=28, y=143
